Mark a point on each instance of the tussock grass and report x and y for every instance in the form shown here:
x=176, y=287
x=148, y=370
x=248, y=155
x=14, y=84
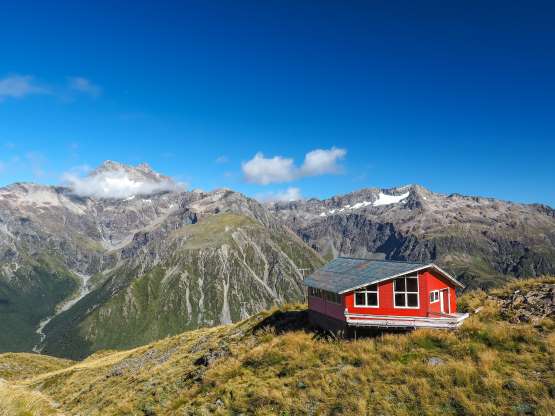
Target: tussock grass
x=268, y=365
x=23, y=365
x=17, y=401
x=522, y=284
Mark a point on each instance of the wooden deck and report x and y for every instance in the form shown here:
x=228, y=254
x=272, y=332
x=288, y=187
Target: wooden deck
x=445, y=321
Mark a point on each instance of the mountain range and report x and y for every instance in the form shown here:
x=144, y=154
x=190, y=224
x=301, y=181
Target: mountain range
x=483, y=241
x=127, y=256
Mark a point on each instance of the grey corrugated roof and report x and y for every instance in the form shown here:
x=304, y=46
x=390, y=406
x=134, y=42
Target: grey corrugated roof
x=345, y=273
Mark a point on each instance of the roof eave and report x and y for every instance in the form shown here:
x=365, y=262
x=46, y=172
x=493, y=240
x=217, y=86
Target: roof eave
x=427, y=266
x=443, y=272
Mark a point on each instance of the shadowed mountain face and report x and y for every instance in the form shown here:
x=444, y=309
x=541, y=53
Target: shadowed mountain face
x=483, y=241
x=80, y=271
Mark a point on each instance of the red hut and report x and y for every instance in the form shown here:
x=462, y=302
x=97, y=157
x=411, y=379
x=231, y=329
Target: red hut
x=348, y=293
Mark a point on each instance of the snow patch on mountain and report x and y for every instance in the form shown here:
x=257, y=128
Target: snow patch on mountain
x=383, y=199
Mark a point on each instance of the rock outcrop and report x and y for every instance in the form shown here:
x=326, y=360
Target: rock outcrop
x=528, y=305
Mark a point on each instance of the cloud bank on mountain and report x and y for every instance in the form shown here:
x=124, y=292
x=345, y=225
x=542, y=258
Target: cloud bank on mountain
x=119, y=182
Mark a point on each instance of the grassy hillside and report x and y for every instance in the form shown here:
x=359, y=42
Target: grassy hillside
x=273, y=363
x=19, y=400
x=19, y=366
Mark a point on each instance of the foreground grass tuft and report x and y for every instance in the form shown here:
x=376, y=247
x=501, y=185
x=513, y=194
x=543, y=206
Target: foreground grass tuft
x=18, y=401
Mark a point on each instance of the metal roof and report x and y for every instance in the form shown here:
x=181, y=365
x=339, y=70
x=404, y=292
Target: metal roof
x=344, y=273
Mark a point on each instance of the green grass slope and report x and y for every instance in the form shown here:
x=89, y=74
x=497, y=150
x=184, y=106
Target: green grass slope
x=273, y=363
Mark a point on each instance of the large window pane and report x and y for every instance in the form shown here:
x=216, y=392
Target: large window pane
x=372, y=288
x=412, y=299
x=406, y=292
x=400, y=284
x=359, y=298
x=400, y=299
x=372, y=299
x=412, y=285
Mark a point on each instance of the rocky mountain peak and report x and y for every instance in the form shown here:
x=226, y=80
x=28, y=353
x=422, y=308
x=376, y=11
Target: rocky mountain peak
x=142, y=170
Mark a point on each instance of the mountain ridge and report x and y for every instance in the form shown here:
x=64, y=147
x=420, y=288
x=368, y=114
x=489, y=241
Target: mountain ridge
x=232, y=255
x=478, y=238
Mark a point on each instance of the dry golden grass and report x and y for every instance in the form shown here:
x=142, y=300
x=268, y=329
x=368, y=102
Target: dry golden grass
x=522, y=284
x=18, y=401
x=487, y=367
x=22, y=365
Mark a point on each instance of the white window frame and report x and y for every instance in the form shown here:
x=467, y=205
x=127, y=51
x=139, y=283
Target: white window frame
x=405, y=292
x=436, y=296
x=366, y=291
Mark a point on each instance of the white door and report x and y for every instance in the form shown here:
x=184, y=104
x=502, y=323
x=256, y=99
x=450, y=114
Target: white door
x=441, y=294
x=444, y=300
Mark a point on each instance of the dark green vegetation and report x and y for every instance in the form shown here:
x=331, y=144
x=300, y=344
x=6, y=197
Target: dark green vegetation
x=29, y=296
x=273, y=363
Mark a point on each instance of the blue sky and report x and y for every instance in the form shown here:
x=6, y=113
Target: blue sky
x=457, y=97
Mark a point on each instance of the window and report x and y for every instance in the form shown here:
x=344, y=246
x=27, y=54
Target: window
x=324, y=294
x=434, y=296
x=367, y=297
x=317, y=293
x=405, y=292
x=332, y=297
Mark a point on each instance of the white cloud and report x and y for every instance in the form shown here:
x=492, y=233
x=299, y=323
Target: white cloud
x=287, y=195
x=84, y=85
x=264, y=171
x=19, y=86
x=119, y=184
x=321, y=162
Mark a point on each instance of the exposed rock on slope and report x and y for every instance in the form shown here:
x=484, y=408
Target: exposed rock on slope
x=531, y=305
x=481, y=240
